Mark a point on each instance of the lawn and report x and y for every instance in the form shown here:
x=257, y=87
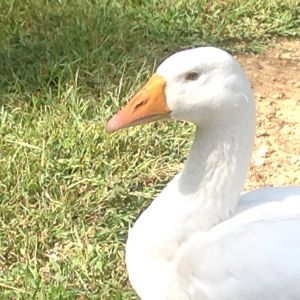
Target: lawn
x=68, y=191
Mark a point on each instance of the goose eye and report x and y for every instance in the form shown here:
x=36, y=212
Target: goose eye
x=192, y=76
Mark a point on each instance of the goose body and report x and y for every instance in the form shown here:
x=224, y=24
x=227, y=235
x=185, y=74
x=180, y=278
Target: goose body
x=201, y=238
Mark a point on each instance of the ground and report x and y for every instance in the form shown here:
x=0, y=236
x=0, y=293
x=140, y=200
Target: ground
x=275, y=78
x=68, y=191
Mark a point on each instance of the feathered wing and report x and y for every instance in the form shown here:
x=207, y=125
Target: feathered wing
x=253, y=255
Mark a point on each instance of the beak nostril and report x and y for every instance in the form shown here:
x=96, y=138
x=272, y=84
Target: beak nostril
x=139, y=104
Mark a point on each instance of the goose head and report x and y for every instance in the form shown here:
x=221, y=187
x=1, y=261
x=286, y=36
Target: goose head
x=204, y=85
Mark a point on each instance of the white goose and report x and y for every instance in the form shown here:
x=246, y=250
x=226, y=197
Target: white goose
x=200, y=238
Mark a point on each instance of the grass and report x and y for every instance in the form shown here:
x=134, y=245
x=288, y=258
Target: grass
x=69, y=192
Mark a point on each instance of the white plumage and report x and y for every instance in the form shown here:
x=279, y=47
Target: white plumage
x=200, y=238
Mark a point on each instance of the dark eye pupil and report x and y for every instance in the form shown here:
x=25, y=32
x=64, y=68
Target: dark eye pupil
x=192, y=76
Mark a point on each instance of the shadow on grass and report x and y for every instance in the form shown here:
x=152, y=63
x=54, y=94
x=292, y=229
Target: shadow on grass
x=90, y=44
x=46, y=47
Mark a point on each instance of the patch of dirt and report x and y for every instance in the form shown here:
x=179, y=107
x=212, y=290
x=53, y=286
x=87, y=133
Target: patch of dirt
x=275, y=78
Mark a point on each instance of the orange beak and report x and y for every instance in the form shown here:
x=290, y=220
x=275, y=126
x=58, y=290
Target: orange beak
x=148, y=105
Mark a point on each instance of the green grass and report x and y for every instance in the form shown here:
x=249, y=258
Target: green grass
x=68, y=191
